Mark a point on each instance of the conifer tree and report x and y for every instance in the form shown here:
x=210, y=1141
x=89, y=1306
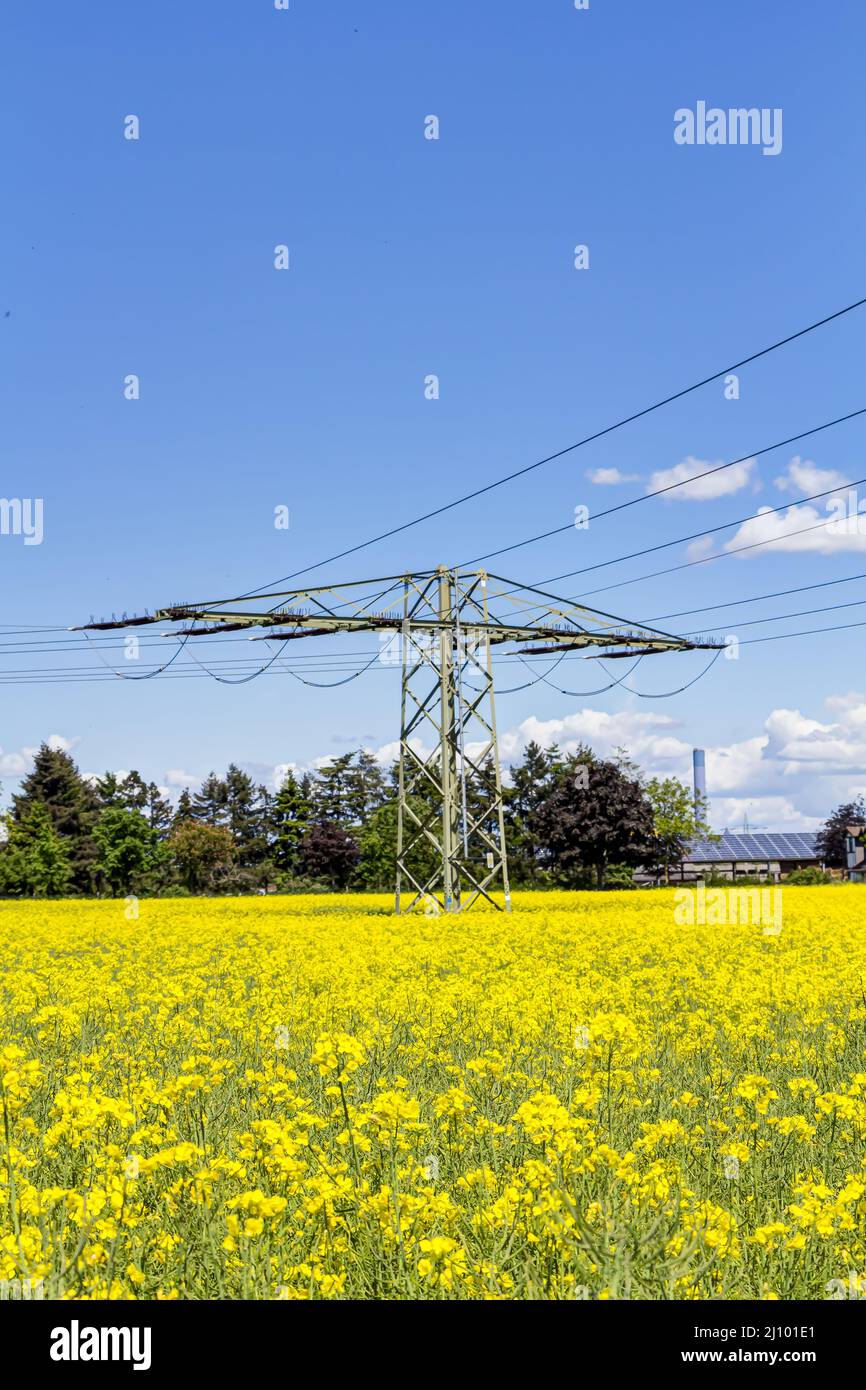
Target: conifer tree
x=159, y=811
x=184, y=812
x=210, y=801
x=246, y=816
x=332, y=797
x=133, y=789
x=367, y=790
x=72, y=805
x=291, y=821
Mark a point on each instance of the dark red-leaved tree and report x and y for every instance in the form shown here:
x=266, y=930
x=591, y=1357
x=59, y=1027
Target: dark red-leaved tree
x=595, y=816
x=329, y=853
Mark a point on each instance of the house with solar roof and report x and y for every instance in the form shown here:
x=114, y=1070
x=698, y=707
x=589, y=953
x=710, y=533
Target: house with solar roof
x=770, y=856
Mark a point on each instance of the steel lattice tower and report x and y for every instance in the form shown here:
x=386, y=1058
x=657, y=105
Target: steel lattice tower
x=451, y=847
x=447, y=690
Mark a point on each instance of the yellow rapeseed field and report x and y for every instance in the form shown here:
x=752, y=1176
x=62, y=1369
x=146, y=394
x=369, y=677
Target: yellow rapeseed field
x=311, y=1098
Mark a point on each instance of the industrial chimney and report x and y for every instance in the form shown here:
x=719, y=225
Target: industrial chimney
x=699, y=770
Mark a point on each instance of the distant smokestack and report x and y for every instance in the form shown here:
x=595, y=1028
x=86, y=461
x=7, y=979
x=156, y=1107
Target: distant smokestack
x=699, y=769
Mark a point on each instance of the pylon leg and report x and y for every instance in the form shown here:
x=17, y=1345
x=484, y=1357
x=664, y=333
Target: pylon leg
x=447, y=695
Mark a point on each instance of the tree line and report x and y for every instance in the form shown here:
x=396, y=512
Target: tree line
x=572, y=820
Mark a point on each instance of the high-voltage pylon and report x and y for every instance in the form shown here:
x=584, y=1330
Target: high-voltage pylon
x=440, y=627
x=447, y=694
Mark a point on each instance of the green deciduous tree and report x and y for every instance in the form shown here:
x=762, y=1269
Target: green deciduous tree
x=677, y=821
x=34, y=861
x=202, y=854
x=531, y=782
x=378, y=845
x=130, y=854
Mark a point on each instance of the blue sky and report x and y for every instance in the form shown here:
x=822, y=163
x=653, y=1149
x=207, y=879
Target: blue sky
x=411, y=257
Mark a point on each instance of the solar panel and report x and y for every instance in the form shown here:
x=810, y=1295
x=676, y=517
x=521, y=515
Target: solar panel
x=732, y=847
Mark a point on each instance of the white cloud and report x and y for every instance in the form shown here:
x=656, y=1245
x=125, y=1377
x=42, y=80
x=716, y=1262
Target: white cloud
x=94, y=777
x=805, y=476
x=699, y=549
x=18, y=764
x=640, y=732
x=723, y=483
x=788, y=775
x=390, y=752
x=57, y=742
x=761, y=813
x=852, y=708
x=14, y=764
x=609, y=477
x=850, y=701
x=833, y=747
x=732, y=767
x=175, y=777
x=803, y=528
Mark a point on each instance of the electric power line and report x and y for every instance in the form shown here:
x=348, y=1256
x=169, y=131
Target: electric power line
x=809, y=632
x=757, y=598
x=671, y=487
x=706, y=559
x=561, y=453
x=780, y=617
x=710, y=531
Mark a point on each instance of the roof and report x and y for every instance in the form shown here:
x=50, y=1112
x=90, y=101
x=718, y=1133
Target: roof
x=752, y=848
